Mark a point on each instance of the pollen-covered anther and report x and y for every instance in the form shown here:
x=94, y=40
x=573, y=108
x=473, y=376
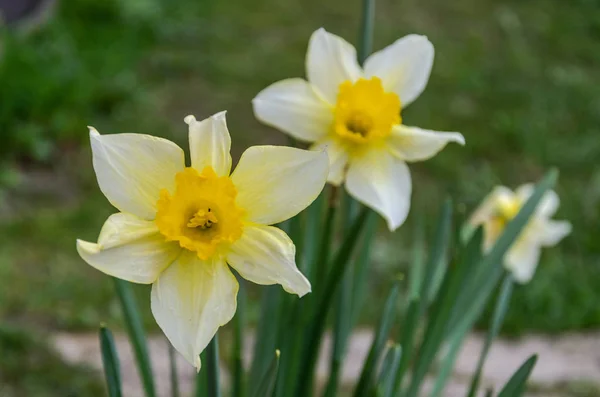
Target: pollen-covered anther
x=359, y=124
x=204, y=219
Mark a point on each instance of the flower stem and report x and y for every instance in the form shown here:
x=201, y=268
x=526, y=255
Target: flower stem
x=212, y=367
x=316, y=327
x=366, y=30
x=497, y=320
x=173, y=371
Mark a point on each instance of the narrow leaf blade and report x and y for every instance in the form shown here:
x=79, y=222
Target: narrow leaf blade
x=516, y=384
x=110, y=361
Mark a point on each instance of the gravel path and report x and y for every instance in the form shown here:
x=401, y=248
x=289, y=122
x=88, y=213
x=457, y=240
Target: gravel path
x=568, y=359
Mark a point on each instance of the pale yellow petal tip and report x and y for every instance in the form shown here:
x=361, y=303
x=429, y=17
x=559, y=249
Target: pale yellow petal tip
x=219, y=116
x=321, y=30
x=277, y=353
x=197, y=363
x=87, y=248
x=93, y=132
x=304, y=291
x=460, y=139
x=190, y=119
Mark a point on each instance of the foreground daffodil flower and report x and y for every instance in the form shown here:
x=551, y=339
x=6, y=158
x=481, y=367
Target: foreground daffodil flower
x=355, y=114
x=180, y=226
x=502, y=205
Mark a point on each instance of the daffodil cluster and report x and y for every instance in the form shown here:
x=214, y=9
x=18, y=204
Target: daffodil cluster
x=183, y=228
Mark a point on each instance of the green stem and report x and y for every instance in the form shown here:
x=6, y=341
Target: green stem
x=212, y=367
x=326, y=241
x=202, y=379
x=366, y=30
x=173, y=371
x=497, y=320
x=238, y=343
x=317, y=325
x=135, y=329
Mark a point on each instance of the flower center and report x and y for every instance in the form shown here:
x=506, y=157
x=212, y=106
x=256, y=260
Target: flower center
x=202, y=214
x=507, y=209
x=364, y=112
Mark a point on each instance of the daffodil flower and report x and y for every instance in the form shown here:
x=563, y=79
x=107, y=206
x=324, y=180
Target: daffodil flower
x=180, y=227
x=354, y=112
x=501, y=206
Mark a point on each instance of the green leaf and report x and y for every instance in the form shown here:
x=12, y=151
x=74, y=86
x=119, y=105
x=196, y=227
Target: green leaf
x=341, y=332
x=263, y=346
x=418, y=260
x=516, y=384
x=442, y=309
x=238, y=342
x=212, y=368
x=349, y=299
x=367, y=375
x=497, y=319
x=321, y=269
x=436, y=263
x=202, y=379
x=296, y=313
x=135, y=330
x=267, y=382
x=407, y=341
x=361, y=267
x=469, y=258
x=385, y=385
x=445, y=370
x=110, y=361
x=323, y=302
x=173, y=371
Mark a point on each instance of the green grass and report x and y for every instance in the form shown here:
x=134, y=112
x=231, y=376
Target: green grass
x=30, y=368
x=518, y=79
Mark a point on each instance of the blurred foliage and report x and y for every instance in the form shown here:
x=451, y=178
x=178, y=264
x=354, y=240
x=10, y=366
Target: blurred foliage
x=59, y=76
x=518, y=79
x=30, y=368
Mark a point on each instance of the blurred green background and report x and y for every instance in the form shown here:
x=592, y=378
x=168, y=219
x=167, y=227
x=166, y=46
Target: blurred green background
x=519, y=80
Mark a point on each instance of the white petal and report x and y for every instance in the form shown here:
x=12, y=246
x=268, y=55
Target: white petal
x=415, y=144
x=129, y=248
x=550, y=232
x=338, y=159
x=266, y=255
x=190, y=301
x=403, y=67
x=210, y=143
x=330, y=61
x=382, y=182
x=293, y=107
x=133, y=168
x=274, y=183
x=547, y=206
x=522, y=260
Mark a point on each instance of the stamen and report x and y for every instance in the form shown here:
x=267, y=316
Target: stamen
x=203, y=219
x=358, y=125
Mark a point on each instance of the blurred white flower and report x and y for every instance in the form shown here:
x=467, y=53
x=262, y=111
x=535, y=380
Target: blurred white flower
x=502, y=205
x=354, y=112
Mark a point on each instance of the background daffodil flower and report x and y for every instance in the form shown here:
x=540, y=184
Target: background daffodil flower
x=500, y=207
x=179, y=227
x=354, y=113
